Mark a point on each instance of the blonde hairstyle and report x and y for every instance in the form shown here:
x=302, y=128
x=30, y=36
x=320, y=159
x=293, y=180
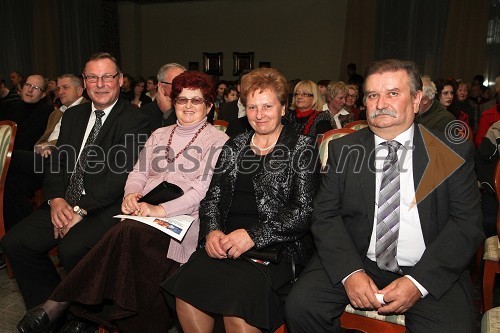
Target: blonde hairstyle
x=353, y=87
x=261, y=79
x=311, y=87
x=334, y=88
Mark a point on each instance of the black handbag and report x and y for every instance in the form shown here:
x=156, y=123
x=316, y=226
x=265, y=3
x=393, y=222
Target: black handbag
x=273, y=253
x=164, y=192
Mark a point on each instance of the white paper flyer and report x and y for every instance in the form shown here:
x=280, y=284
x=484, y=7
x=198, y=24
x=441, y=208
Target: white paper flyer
x=175, y=226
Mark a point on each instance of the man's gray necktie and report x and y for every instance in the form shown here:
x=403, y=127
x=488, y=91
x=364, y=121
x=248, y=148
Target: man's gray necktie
x=388, y=212
x=75, y=187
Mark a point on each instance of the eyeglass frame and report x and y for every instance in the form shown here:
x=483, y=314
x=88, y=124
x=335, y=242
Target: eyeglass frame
x=165, y=82
x=302, y=94
x=176, y=101
x=112, y=77
x=29, y=85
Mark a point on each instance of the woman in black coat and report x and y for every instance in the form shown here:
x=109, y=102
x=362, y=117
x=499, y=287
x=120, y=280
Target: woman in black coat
x=260, y=200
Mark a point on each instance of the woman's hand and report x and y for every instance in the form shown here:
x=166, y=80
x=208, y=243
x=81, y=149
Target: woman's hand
x=146, y=209
x=213, y=246
x=236, y=243
x=130, y=204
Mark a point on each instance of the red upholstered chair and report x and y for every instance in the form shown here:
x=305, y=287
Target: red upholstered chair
x=357, y=125
x=492, y=254
x=8, y=131
x=221, y=125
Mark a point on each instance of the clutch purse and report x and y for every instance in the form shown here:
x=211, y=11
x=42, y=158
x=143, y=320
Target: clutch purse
x=273, y=254
x=164, y=192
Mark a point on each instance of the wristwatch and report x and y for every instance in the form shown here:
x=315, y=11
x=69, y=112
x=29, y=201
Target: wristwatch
x=79, y=211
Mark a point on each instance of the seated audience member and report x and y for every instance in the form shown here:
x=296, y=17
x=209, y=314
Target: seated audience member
x=322, y=85
x=260, y=196
x=337, y=115
x=126, y=92
x=31, y=113
x=399, y=242
x=306, y=114
x=52, y=93
x=432, y=114
x=219, y=98
x=16, y=81
x=230, y=94
x=486, y=161
x=161, y=112
x=350, y=102
x=445, y=91
x=6, y=98
x=127, y=265
x=461, y=108
x=25, y=174
x=488, y=104
x=152, y=87
x=139, y=93
x=235, y=109
x=489, y=116
x=83, y=181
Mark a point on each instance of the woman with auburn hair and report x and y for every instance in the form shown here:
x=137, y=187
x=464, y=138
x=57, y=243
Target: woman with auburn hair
x=259, y=202
x=117, y=282
x=306, y=110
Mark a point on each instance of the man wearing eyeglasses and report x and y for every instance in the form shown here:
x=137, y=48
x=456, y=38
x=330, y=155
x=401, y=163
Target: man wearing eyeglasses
x=83, y=181
x=30, y=114
x=162, y=112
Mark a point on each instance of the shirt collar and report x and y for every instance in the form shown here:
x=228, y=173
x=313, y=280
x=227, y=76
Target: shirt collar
x=405, y=138
x=106, y=110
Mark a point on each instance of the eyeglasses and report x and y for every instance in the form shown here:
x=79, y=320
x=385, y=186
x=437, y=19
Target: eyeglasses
x=352, y=96
x=303, y=94
x=164, y=82
x=95, y=78
x=194, y=100
x=29, y=85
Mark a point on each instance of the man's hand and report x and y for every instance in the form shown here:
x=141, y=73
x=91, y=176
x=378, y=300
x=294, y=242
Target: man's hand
x=44, y=149
x=61, y=232
x=236, y=243
x=213, y=247
x=400, y=295
x=61, y=212
x=361, y=291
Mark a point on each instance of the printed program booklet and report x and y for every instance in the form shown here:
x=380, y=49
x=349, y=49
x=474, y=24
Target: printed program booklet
x=175, y=226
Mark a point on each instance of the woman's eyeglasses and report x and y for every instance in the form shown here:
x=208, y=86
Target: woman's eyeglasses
x=303, y=94
x=194, y=100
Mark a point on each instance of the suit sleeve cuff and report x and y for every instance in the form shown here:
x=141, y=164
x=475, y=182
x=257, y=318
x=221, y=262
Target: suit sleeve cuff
x=422, y=290
x=359, y=270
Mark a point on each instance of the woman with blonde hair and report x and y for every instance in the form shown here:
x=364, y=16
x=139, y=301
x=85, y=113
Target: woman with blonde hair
x=305, y=113
x=336, y=95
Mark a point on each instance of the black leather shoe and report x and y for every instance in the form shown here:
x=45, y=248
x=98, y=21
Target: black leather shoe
x=75, y=326
x=35, y=321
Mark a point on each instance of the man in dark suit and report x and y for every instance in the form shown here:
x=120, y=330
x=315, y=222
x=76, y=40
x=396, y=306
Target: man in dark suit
x=395, y=225
x=84, y=180
x=162, y=112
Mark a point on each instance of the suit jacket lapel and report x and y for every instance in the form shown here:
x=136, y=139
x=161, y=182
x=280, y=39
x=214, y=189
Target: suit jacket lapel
x=420, y=162
x=367, y=174
x=110, y=119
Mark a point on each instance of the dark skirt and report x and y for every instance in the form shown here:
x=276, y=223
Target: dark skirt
x=118, y=281
x=239, y=288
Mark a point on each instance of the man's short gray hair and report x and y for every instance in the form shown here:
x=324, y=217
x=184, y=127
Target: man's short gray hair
x=163, y=70
x=429, y=88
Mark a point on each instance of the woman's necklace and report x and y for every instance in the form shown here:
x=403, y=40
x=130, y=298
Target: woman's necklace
x=171, y=160
x=263, y=149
